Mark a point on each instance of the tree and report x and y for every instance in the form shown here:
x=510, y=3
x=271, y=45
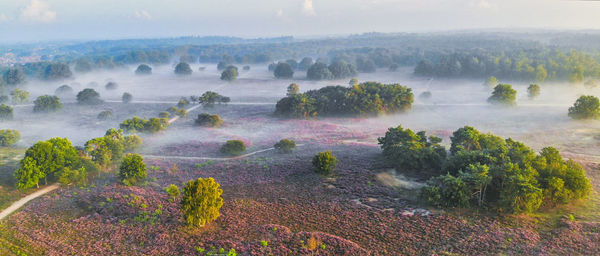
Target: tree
x=105, y=115
x=424, y=68
x=63, y=90
x=137, y=124
x=341, y=69
x=183, y=69
x=292, y=89
x=127, y=97
x=6, y=112
x=57, y=71
x=533, y=91
x=285, y=146
x=88, y=96
x=233, y=147
x=229, y=74
x=201, y=201
x=19, y=96
x=319, y=71
x=9, y=137
x=283, y=70
x=492, y=82
x=503, y=94
x=208, y=120
x=541, y=73
x=143, y=69
x=83, y=65
x=14, y=76
x=586, y=107
x=446, y=191
x=293, y=63
x=46, y=103
x=305, y=63
x=132, y=169
x=366, y=65
x=173, y=191
x=324, y=162
x=111, y=86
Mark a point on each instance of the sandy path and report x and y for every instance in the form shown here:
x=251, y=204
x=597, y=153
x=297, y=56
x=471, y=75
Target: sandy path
x=18, y=204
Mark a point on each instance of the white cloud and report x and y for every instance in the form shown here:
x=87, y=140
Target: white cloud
x=143, y=14
x=38, y=11
x=307, y=8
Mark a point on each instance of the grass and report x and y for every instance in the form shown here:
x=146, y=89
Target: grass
x=9, y=160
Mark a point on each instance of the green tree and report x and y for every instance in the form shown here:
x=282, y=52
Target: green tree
x=229, y=74
x=285, y=146
x=173, y=191
x=233, y=147
x=292, y=89
x=143, y=69
x=132, y=169
x=208, y=120
x=9, y=137
x=283, y=70
x=47, y=103
x=127, y=97
x=586, y=107
x=57, y=71
x=319, y=71
x=305, y=63
x=105, y=115
x=541, y=73
x=88, y=96
x=201, y=201
x=6, y=112
x=446, y=191
x=183, y=69
x=324, y=162
x=341, y=69
x=63, y=90
x=14, y=76
x=533, y=91
x=19, y=96
x=503, y=94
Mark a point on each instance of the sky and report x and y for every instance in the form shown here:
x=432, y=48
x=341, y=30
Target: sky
x=44, y=20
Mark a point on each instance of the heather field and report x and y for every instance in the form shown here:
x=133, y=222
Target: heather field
x=275, y=204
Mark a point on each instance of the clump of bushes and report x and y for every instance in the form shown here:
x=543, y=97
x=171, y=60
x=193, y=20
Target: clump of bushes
x=164, y=114
x=181, y=112
x=209, y=98
x=183, y=69
x=143, y=69
x=127, y=97
x=229, y=74
x=88, y=96
x=9, y=137
x=111, y=86
x=63, y=90
x=586, y=107
x=324, y=162
x=233, y=147
x=6, y=112
x=533, y=91
x=132, y=170
x=285, y=146
x=201, y=201
x=151, y=125
x=503, y=94
x=109, y=149
x=46, y=103
x=368, y=98
x=105, y=115
x=208, y=120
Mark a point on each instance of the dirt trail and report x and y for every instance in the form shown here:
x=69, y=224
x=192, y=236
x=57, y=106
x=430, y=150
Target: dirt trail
x=211, y=158
x=18, y=204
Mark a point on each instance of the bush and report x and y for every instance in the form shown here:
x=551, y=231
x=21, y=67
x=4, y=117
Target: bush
x=137, y=124
x=586, y=107
x=446, y=191
x=201, y=201
x=6, y=112
x=111, y=86
x=503, y=94
x=46, y=103
x=233, y=147
x=229, y=74
x=88, y=96
x=173, y=191
x=126, y=98
x=183, y=69
x=319, y=71
x=143, y=69
x=63, y=90
x=324, y=162
x=9, y=137
x=164, y=114
x=19, y=96
x=208, y=120
x=105, y=115
x=209, y=98
x=285, y=146
x=533, y=91
x=132, y=169
x=283, y=70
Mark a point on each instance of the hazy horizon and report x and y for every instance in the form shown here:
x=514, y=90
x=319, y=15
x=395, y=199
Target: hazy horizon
x=58, y=20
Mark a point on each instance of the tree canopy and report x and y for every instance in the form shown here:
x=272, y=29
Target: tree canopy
x=503, y=94
x=88, y=96
x=151, y=125
x=143, y=69
x=46, y=103
x=229, y=74
x=283, y=70
x=9, y=137
x=208, y=120
x=201, y=201
x=132, y=169
x=586, y=107
x=233, y=147
x=183, y=69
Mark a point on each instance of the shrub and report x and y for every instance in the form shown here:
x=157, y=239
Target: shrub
x=137, y=124
x=143, y=69
x=88, y=96
x=586, y=107
x=503, y=94
x=164, y=114
x=63, y=90
x=233, y=147
x=111, y=86
x=533, y=91
x=105, y=115
x=9, y=137
x=229, y=74
x=283, y=70
x=183, y=69
x=6, y=112
x=19, y=96
x=201, y=201
x=285, y=146
x=324, y=162
x=132, y=169
x=46, y=103
x=208, y=120
x=173, y=191
x=446, y=191
x=126, y=98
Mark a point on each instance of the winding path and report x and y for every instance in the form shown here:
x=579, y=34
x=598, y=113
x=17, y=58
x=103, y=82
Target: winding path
x=18, y=204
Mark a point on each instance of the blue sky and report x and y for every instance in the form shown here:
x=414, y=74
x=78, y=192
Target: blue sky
x=40, y=20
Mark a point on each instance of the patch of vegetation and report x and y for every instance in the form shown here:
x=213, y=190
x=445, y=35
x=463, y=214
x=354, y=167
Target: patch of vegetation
x=9, y=137
x=324, y=162
x=201, y=201
x=503, y=94
x=233, y=147
x=132, y=170
x=586, y=107
x=285, y=146
x=151, y=125
x=208, y=120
